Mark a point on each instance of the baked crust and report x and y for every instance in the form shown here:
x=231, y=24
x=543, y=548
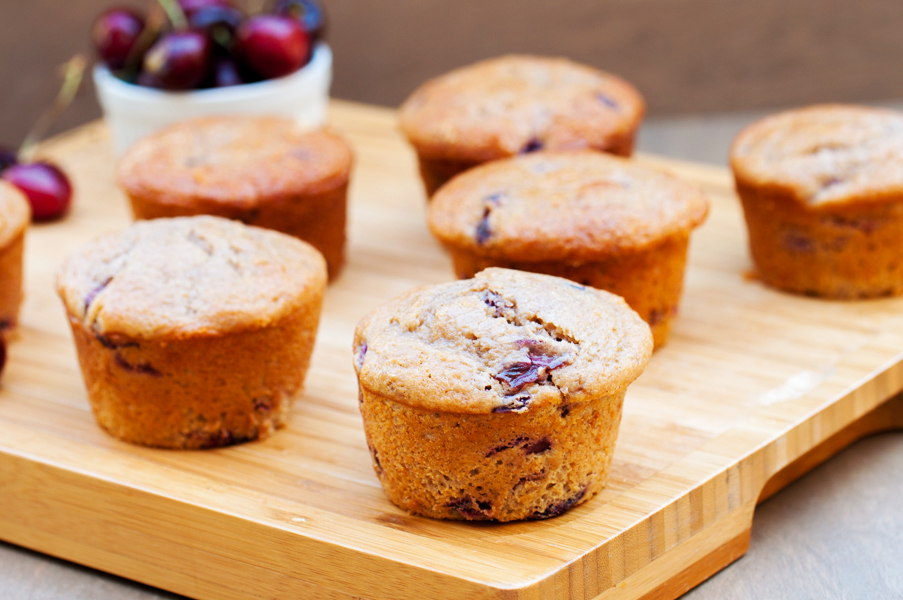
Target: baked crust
x=446, y=347
x=499, y=107
x=517, y=104
x=574, y=206
x=824, y=155
x=202, y=276
x=263, y=171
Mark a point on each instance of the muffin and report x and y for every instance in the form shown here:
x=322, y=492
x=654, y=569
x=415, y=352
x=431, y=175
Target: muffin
x=496, y=398
x=15, y=214
x=193, y=332
x=515, y=105
x=263, y=171
x=596, y=219
x=822, y=193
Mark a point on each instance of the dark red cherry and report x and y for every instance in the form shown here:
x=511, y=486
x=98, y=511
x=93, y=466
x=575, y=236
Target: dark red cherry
x=114, y=34
x=8, y=158
x=47, y=188
x=219, y=23
x=226, y=73
x=179, y=60
x=272, y=45
x=309, y=12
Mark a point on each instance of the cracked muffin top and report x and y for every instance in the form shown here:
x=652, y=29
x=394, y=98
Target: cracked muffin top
x=503, y=106
x=825, y=154
x=563, y=206
x=239, y=161
x=500, y=342
x=188, y=277
x=15, y=212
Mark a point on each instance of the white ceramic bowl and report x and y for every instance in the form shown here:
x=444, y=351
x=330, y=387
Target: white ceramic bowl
x=133, y=111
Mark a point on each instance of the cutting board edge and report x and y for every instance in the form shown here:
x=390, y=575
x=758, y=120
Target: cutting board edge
x=60, y=518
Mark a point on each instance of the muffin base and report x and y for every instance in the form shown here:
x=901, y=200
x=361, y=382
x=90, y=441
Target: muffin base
x=651, y=281
x=197, y=392
x=842, y=252
x=435, y=172
x=11, y=282
x=491, y=467
x=318, y=219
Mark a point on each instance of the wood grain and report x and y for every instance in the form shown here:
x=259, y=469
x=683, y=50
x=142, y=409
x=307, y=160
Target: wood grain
x=752, y=380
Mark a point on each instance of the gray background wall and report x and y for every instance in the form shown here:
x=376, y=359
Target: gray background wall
x=686, y=56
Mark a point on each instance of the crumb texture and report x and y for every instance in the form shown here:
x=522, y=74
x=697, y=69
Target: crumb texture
x=505, y=467
x=194, y=276
x=824, y=155
x=574, y=206
x=502, y=342
x=518, y=104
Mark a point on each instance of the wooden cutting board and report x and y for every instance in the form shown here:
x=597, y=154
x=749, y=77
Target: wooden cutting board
x=755, y=387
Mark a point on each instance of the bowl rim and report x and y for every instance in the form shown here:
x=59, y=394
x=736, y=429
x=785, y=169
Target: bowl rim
x=320, y=60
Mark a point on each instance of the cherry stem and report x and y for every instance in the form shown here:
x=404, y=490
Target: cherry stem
x=175, y=13
x=156, y=21
x=73, y=72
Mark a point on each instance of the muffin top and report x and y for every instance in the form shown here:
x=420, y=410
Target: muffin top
x=500, y=107
x=501, y=342
x=15, y=212
x=239, y=161
x=825, y=154
x=188, y=277
x=581, y=205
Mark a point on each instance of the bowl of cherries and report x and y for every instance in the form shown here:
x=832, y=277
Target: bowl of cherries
x=192, y=58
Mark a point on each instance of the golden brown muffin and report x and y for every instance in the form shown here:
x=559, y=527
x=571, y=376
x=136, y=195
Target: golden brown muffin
x=514, y=105
x=263, y=171
x=15, y=214
x=499, y=397
x=822, y=192
x=596, y=219
x=193, y=332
